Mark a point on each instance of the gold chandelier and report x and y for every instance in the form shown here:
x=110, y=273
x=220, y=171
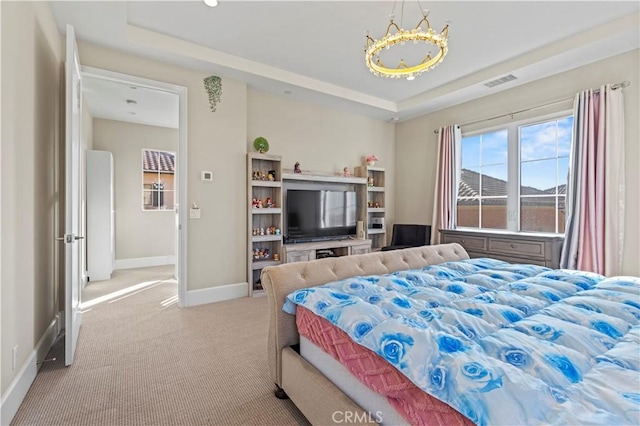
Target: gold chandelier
x=422, y=33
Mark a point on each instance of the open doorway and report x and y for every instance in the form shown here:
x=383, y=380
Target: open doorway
x=134, y=136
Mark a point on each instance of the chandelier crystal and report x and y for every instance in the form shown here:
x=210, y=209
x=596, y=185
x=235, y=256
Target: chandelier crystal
x=422, y=33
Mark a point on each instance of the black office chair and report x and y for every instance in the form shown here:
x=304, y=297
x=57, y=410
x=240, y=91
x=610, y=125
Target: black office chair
x=405, y=236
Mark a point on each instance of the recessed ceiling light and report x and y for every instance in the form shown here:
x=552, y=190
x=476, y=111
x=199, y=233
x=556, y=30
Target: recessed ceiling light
x=395, y=119
x=132, y=113
x=211, y=3
x=288, y=92
x=132, y=102
x=411, y=77
x=133, y=87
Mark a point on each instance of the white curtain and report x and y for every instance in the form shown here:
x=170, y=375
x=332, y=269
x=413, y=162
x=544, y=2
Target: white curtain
x=594, y=237
x=447, y=180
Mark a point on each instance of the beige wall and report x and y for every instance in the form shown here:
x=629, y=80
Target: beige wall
x=216, y=141
x=31, y=65
x=219, y=142
x=321, y=139
x=416, y=147
x=138, y=233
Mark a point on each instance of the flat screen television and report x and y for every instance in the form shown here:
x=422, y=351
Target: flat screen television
x=317, y=215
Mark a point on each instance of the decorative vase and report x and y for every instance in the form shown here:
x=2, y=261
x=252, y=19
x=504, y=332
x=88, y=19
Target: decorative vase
x=371, y=163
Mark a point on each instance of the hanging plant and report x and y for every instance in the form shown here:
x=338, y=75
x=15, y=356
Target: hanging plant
x=213, y=86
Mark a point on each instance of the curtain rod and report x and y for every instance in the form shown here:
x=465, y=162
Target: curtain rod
x=613, y=86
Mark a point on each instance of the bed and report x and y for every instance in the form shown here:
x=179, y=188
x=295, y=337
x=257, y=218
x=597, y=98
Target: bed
x=471, y=340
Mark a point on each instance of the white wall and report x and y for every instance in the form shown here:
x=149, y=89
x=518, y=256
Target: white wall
x=321, y=139
x=139, y=233
x=416, y=144
x=31, y=64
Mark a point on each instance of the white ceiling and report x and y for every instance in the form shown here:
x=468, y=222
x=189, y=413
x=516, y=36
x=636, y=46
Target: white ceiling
x=313, y=50
x=114, y=100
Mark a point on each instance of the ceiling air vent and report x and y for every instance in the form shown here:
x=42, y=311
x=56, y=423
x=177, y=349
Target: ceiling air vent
x=501, y=80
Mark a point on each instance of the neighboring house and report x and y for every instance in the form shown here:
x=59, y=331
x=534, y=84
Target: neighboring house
x=540, y=209
x=158, y=169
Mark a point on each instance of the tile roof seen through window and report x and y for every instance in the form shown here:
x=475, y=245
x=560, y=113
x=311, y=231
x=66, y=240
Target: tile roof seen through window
x=158, y=161
x=493, y=187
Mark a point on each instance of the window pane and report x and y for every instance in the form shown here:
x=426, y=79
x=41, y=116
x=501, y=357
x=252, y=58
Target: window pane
x=538, y=214
x=561, y=214
x=538, y=141
x=168, y=199
x=149, y=178
x=563, y=174
x=147, y=200
x=471, y=152
x=538, y=177
x=494, y=147
x=469, y=212
x=494, y=213
x=469, y=183
x=494, y=180
x=565, y=130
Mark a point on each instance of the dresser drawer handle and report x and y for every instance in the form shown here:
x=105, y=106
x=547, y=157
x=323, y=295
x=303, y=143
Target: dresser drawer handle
x=462, y=241
x=513, y=246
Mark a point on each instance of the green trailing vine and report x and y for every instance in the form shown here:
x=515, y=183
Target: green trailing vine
x=213, y=86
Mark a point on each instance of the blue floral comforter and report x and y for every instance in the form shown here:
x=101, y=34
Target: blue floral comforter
x=501, y=343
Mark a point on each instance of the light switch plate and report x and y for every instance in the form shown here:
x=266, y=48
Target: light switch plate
x=194, y=213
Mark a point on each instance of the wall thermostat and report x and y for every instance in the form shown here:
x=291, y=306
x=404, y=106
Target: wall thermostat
x=207, y=176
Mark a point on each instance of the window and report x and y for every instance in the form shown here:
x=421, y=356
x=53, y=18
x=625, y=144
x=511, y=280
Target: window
x=544, y=170
x=158, y=180
x=482, y=196
x=515, y=178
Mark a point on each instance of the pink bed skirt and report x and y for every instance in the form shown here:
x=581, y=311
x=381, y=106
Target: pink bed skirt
x=416, y=406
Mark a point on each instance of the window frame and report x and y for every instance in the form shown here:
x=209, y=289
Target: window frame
x=513, y=173
x=142, y=172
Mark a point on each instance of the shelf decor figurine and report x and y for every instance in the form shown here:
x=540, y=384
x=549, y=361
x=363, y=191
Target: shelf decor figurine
x=346, y=172
x=296, y=168
x=371, y=160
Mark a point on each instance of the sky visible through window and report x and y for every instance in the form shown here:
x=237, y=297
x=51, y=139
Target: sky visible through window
x=488, y=150
x=540, y=145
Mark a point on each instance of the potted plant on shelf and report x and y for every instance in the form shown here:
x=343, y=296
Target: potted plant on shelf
x=371, y=160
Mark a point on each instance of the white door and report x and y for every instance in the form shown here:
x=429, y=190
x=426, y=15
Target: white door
x=73, y=252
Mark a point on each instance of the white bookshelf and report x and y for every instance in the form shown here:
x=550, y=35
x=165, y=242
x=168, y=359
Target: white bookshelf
x=263, y=218
x=372, y=204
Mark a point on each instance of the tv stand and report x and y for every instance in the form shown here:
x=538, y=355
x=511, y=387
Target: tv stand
x=303, y=252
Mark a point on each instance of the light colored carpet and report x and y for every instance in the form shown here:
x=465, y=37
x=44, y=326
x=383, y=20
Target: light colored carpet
x=123, y=279
x=142, y=360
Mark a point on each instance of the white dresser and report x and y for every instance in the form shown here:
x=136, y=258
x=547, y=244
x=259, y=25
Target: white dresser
x=100, y=215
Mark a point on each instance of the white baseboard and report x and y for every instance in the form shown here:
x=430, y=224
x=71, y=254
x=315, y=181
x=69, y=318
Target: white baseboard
x=144, y=262
x=20, y=385
x=216, y=294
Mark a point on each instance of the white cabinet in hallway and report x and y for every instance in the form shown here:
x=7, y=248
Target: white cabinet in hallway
x=100, y=215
